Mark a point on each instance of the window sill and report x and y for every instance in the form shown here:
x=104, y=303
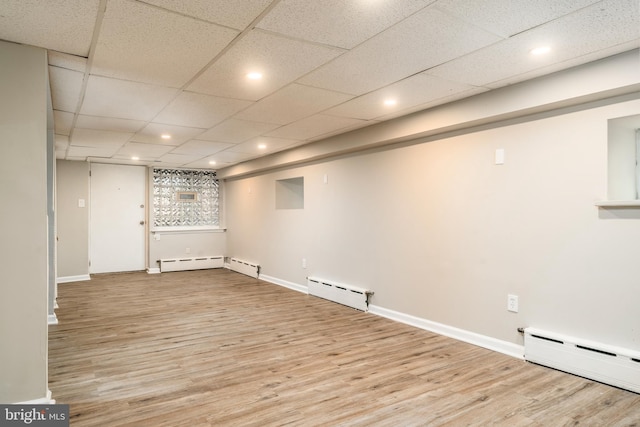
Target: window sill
x=203, y=229
x=618, y=203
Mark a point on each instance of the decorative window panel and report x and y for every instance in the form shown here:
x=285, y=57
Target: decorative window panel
x=185, y=198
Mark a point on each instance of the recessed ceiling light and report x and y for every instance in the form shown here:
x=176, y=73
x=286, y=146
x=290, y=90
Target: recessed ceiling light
x=165, y=136
x=541, y=50
x=254, y=75
x=212, y=162
x=390, y=102
x=262, y=146
x=135, y=158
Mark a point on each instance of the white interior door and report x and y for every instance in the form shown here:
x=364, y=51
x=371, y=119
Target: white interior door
x=117, y=218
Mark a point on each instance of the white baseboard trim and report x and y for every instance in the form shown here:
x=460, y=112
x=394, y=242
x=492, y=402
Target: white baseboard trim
x=47, y=400
x=154, y=270
x=67, y=279
x=52, y=319
x=494, y=344
x=504, y=347
x=286, y=284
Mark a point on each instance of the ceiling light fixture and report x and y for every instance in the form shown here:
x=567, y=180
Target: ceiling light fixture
x=262, y=146
x=165, y=136
x=390, y=102
x=135, y=158
x=541, y=50
x=212, y=162
x=254, y=75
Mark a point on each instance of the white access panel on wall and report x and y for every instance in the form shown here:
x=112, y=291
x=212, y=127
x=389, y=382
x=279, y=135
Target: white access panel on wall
x=117, y=229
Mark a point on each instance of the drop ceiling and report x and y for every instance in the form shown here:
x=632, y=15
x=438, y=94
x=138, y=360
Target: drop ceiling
x=125, y=72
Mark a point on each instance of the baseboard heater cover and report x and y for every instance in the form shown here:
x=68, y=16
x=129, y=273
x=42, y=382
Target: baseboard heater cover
x=244, y=267
x=348, y=295
x=619, y=367
x=196, y=263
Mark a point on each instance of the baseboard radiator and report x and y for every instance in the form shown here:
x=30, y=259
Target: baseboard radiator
x=196, y=263
x=244, y=267
x=348, y=295
x=615, y=366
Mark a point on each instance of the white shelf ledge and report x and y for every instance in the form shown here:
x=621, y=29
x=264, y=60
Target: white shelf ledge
x=617, y=203
x=202, y=229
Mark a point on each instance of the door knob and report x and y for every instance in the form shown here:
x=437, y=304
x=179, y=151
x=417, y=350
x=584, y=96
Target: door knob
x=142, y=222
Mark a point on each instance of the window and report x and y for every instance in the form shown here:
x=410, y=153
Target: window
x=185, y=198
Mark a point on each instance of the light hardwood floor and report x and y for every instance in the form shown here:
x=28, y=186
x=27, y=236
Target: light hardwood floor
x=216, y=348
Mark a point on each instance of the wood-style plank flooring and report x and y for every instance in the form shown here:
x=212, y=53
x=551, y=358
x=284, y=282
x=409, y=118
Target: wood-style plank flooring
x=216, y=348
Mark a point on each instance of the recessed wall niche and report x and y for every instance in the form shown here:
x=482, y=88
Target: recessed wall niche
x=623, y=156
x=290, y=193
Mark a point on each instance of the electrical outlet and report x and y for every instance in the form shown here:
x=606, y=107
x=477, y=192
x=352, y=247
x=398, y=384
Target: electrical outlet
x=512, y=303
x=304, y=263
x=187, y=250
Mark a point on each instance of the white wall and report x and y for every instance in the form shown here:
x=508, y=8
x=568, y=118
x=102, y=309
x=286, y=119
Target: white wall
x=440, y=232
x=73, y=228
x=177, y=244
x=24, y=246
x=72, y=185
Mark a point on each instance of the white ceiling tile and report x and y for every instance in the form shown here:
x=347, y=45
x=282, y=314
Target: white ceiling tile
x=178, y=159
x=590, y=30
x=61, y=142
x=440, y=101
x=231, y=14
x=292, y=103
x=124, y=99
x=119, y=160
x=99, y=138
x=338, y=22
x=83, y=152
x=152, y=134
x=236, y=131
x=230, y=157
x=205, y=164
x=66, y=86
x=280, y=60
x=271, y=145
x=315, y=126
x=62, y=122
x=64, y=26
x=109, y=123
x=409, y=92
x=509, y=17
x=143, y=151
x=144, y=43
x=402, y=46
x=70, y=62
x=201, y=148
x=401, y=51
x=559, y=66
x=199, y=111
